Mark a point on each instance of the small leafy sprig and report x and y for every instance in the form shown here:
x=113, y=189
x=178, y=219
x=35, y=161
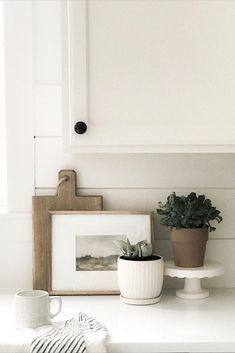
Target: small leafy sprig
x=192, y=211
x=141, y=249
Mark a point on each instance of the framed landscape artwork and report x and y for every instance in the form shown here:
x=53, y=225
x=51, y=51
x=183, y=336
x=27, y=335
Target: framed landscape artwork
x=83, y=257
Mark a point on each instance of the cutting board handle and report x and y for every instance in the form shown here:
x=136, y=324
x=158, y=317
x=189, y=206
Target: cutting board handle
x=67, y=184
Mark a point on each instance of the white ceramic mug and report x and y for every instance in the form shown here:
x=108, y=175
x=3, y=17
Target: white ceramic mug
x=33, y=309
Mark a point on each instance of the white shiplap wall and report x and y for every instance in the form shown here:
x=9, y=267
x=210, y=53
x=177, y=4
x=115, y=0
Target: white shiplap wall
x=135, y=182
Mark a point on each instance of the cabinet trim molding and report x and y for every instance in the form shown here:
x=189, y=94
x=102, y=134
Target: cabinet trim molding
x=74, y=82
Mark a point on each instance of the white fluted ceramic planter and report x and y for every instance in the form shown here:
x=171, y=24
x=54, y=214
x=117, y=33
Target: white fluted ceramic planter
x=140, y=282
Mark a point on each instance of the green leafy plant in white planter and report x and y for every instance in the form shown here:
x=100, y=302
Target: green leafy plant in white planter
x=140, y=273
x=190, y=220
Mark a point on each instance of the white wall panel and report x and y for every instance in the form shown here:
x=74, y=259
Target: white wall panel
x=16, y=251
x=222, y=251
x=47, y=41
x=19, y=104
x=140, y=171
x=48, y=110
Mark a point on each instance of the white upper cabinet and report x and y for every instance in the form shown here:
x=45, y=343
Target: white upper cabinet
x=149, y=76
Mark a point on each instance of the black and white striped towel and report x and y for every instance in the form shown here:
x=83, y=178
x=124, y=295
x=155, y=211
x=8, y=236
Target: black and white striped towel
x=71, y=338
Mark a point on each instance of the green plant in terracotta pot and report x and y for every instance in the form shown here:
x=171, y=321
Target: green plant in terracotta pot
x=190, y=220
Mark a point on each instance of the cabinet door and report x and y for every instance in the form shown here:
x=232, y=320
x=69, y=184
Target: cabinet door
x=149, y=76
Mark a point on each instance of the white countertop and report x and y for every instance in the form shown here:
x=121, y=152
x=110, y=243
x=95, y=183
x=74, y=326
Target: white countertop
x=172, y=325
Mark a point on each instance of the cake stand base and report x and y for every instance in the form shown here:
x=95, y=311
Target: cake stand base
x=192, y=290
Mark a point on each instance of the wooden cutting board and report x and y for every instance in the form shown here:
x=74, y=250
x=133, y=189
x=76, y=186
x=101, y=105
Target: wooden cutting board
x=66, y=199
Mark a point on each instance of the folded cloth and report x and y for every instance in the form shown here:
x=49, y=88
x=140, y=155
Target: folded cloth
x=72, y=338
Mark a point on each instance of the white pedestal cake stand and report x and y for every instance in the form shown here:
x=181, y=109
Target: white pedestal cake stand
x=192, y=285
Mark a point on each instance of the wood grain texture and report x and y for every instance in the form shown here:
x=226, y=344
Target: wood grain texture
x=49, y=249
x=66, y=199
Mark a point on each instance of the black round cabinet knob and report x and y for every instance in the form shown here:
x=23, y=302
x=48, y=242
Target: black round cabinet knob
x=80, y=127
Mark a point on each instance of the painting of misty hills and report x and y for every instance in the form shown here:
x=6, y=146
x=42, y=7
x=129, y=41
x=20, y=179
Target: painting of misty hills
x=97, y=252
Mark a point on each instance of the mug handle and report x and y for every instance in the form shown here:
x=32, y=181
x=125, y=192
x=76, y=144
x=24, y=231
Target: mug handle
x=58, y=299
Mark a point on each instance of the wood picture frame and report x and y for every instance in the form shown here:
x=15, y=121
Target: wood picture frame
x=73, y=233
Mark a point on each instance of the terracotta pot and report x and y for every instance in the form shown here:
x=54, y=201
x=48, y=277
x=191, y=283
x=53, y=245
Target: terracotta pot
x=189, y=246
